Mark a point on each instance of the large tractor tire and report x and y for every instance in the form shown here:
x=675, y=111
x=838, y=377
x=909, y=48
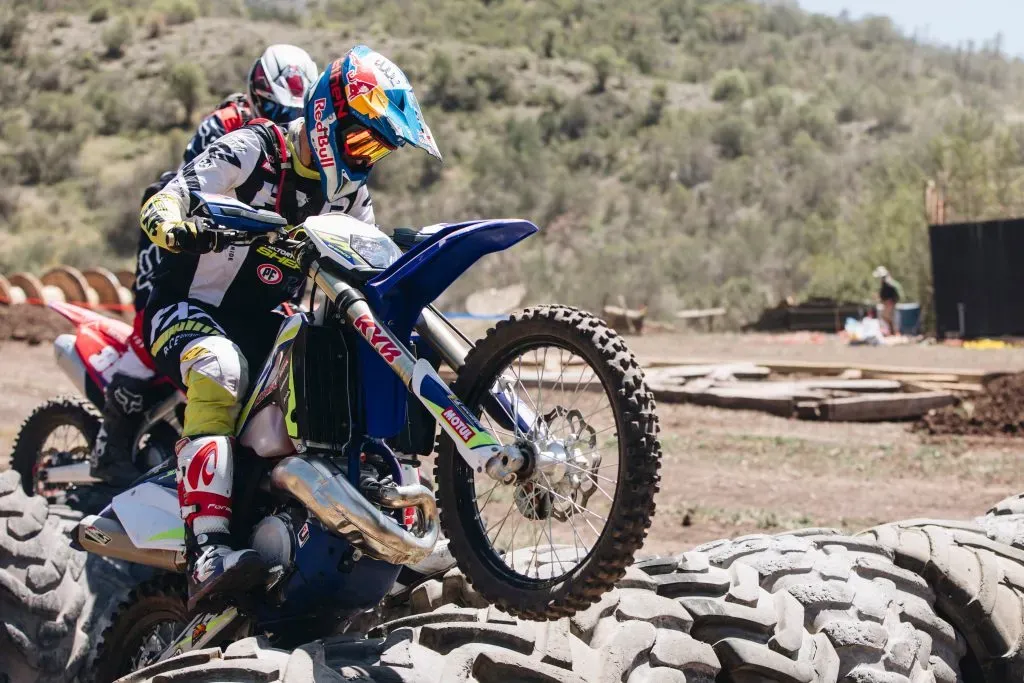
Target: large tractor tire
x=976, y=570
x=54, y=601
x=806, y=607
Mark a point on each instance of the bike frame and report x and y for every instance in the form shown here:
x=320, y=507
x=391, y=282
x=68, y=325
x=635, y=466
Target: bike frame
x=385, y=311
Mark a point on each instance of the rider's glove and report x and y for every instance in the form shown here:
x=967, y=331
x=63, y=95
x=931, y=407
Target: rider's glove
x=192, y=239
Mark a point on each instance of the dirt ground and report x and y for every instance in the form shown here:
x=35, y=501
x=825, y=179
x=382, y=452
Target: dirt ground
x=727, y=473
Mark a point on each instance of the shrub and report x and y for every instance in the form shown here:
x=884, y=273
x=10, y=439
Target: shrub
x=100, y=12
x=49, y=112
x=155, y=24
x=645, y=56
x=734, y=136
x=656, y=105
x=50, y=78
x=454, y=87
x=85, y=61
x=178, y=11
x=772, y=104
x=187, y=83
x=575, y=119
x=48, y=158
x=847, y=112
x=606, y=63
x=12, y=27
x=551, y=33
x=116, y=37
x=730, y=86
x=109, y=106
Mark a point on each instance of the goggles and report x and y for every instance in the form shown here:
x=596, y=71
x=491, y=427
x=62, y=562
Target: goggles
x=363, y=146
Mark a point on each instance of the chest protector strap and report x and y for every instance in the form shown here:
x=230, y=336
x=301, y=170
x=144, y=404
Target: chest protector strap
x=277, y=152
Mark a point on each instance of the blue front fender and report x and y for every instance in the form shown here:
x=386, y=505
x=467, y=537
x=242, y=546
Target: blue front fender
x=400, y=293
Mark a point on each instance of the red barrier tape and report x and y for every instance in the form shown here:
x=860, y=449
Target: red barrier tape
x=120, y=308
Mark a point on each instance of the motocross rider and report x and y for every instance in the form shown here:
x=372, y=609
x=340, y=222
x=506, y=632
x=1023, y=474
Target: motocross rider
x=277, y=84
x=209, y=318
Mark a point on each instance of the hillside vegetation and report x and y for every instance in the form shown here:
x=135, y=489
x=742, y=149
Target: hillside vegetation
x=681, y=153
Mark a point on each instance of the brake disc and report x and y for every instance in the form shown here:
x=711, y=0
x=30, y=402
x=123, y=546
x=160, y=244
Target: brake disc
x=576, y=488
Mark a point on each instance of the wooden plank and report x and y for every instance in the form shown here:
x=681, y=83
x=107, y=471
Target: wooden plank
x=963, y=387
x=883, y=406
x=699, y=313
x=670, y=393
x=792, y=367
x=738, y=399
x=808, y=410
x=685, y=372
x=855, y=385
x=911, y=377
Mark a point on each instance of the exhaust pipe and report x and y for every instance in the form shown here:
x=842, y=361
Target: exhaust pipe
x=106, y=537
x=326, y=492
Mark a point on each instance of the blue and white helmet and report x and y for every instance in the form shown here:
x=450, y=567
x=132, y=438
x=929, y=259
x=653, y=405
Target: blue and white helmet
x=359, y=110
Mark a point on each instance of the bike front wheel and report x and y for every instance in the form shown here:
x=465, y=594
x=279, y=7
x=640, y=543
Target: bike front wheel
x=563, y=386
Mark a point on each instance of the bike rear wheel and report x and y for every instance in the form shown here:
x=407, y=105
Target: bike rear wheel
x=576, y=399
x=61, y=431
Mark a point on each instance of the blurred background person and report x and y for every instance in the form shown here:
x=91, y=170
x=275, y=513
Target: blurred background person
x=890, y=293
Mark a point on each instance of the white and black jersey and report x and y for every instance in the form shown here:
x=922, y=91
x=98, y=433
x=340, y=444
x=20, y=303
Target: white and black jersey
x=252, y=165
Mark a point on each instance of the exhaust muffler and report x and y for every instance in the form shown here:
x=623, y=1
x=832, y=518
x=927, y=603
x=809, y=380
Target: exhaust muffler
x=329, y=496
x=106, y=537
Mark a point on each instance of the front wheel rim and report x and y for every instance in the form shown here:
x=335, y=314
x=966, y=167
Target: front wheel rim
x=544, y=526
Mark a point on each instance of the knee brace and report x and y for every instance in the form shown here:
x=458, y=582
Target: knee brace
x=216, y=375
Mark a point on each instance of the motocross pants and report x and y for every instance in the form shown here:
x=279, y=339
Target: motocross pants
x=126, y=399
x=208, y=352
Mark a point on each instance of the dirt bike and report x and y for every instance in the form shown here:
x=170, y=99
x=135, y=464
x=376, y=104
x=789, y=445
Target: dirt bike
x=347, y=401
x=51, y=451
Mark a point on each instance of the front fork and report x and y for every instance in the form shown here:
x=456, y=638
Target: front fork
x=478, y=447
x=503, y=403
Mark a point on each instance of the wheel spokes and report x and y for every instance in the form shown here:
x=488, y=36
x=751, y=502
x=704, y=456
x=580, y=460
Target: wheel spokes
x=575, y=453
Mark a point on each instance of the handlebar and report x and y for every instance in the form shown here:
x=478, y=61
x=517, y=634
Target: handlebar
x=227, y=237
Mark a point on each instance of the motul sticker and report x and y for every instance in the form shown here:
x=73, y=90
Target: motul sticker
x=453, y=418
x=303, y=534
x=378, y=340
x=269, y=274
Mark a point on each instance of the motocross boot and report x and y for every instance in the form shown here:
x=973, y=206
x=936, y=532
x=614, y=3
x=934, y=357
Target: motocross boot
x=215, y=569
x=123, y=409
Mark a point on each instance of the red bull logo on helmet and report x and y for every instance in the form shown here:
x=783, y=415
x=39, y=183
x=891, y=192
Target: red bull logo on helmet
x=363, y=88
x=321, y=135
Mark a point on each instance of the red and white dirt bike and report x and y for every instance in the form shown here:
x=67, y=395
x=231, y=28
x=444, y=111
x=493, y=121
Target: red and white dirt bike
x=51, y=451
